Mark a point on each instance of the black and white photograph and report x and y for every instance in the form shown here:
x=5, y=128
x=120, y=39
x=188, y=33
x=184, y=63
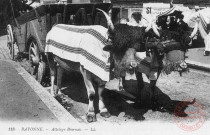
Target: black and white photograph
x=104, y=67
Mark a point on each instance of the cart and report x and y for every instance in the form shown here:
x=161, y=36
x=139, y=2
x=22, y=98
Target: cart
x=28, y=31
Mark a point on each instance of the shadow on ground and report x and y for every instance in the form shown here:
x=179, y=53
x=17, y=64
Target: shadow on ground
x=74, y=88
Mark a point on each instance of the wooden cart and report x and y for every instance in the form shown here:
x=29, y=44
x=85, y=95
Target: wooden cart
x=29, y=31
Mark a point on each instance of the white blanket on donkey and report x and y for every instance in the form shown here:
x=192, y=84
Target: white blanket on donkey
x=82, y=44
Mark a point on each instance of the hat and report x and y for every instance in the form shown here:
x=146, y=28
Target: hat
x=181, y=16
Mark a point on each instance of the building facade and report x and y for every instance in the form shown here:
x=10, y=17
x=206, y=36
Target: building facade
x=122, y=9
x=201, y=3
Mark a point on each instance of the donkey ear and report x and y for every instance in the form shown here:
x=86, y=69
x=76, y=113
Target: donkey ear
x=108, y=48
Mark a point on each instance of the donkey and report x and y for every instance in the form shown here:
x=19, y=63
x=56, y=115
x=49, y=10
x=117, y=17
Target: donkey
x=87, y=49
x=166, y=51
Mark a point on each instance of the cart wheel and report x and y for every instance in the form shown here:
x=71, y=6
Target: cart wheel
x=10, y=41
x=38, y=66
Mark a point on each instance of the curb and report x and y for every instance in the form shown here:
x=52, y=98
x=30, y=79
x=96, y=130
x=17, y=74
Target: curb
x=198, y=65
x=56, y=108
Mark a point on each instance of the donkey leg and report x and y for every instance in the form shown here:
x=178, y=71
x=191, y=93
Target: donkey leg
x=52, y=67
x=140, y=83
x=103, y=110
x=153, y=79
x=154, y=95
x=140, y=80
x=121, y=88
x=60, y=71
x=91, y=117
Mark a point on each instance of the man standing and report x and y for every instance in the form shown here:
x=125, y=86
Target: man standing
x=173, y=24
x=182, y=24
x=207, y=41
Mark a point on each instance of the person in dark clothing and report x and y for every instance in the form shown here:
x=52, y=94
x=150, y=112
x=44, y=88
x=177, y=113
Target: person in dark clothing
x=207, y=41
x=137, y=16
x=162, y=22
x=182, y=25
x=173, y=24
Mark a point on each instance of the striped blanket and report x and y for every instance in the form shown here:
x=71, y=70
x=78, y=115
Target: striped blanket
x=83, y=44
x=204, y=20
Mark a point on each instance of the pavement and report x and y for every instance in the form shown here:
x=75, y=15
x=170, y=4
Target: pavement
x=22, y=98
x=196, y=60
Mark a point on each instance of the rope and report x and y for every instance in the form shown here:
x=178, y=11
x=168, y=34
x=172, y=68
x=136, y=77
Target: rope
x=12, y=9
x=13, y=14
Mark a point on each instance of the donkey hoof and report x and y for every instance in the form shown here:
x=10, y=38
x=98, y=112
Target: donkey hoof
x=105, y=114
x=91, y=118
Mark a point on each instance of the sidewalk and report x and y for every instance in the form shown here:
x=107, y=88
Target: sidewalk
x=22, y=98
x=196, y=60
x=18, y=101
